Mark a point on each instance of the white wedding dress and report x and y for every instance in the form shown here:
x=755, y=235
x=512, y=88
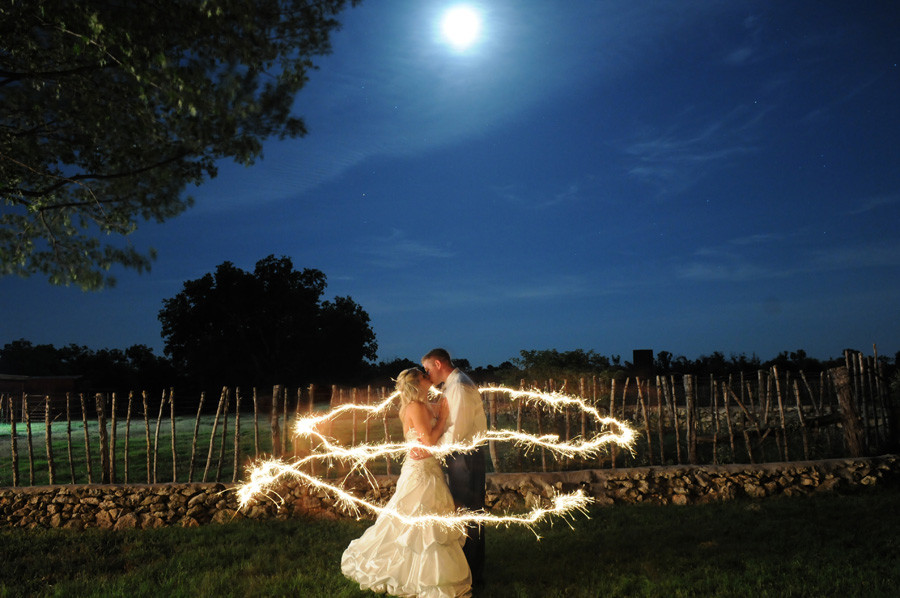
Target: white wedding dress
x=405, y=560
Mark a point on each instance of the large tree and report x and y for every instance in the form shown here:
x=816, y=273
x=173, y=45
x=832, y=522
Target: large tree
x=110, y=109
x=269, y=326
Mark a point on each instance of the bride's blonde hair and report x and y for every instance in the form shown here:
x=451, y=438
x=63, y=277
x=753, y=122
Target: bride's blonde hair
x=408, y=387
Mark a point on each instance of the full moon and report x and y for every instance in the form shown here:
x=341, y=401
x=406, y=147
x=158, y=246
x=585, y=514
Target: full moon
x=461, y=26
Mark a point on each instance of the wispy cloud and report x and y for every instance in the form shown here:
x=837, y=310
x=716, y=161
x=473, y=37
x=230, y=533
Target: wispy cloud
x=776, y=256
x=674, y=160
x=397, y=250
x=519, y=195
x=871, y=204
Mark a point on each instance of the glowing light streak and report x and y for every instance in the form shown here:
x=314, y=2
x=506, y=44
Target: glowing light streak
x=268, y=474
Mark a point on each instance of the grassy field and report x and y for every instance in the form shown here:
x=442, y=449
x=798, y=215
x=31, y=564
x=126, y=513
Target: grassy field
x=137, y=448
x=829, y=545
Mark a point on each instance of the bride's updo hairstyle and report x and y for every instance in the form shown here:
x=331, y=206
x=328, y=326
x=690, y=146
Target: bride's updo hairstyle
x=407, y=385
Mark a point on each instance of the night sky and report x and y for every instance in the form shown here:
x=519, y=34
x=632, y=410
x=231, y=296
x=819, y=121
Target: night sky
x=689, y=176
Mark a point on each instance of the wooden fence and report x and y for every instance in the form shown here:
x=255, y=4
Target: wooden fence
x=768, y=416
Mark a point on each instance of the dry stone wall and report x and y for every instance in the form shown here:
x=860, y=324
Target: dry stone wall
x=150, y=506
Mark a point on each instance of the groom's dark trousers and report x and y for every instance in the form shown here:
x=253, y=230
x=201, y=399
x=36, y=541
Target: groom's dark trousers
x=465, y=476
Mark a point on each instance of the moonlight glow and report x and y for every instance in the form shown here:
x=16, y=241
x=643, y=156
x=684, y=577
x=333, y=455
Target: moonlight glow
x=461, y=26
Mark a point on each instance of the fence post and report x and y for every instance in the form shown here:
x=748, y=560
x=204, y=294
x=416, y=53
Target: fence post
x=492, y=448
x=194, y=440
x=849, y=417
x=172, y=426
x=387, y=434
x=112, y=442
x=224, y=436
x=273, y=422
x=69, y=440
x=643, y=402
x=51, y=469
x=162, y=404
x=612, y=414
x=691, y=418
x=127, y=432
x=237, y=434
x=784, y=437
x=13, y=442
x=255, y=425
x=147, y=433
x=212, y=435
x=28, y=440
x=312, y=408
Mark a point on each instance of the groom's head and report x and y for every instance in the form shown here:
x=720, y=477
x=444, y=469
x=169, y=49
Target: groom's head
x=437, y=365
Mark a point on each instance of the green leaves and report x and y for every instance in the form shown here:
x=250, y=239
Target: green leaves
x=108, y=112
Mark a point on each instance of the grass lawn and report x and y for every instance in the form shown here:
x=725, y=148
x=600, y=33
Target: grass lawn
x=829, y=545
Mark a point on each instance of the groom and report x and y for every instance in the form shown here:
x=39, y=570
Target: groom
x=465, y=471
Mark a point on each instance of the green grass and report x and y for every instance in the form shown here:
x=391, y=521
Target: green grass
x=827, y=545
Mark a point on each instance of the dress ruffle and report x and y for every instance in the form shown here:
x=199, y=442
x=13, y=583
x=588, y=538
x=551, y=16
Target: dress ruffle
x=422, y=561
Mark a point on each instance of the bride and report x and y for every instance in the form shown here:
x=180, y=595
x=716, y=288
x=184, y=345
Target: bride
x=403, y=560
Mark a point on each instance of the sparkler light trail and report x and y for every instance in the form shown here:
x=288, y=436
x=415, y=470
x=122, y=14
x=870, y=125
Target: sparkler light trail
x=265, y=476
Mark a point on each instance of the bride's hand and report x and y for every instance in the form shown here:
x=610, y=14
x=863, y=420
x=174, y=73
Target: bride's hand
x=418, y=453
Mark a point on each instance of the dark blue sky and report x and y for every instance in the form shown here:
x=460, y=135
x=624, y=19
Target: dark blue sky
x=690, y=176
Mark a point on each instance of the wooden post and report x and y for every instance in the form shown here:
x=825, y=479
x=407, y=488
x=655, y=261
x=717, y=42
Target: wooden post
x=255, y=426
x=728, y=420
x=172, y=426
x=354, y=398
x=112, y=441
x=13, y=442
x=145, y=400
x=583, y=395
x=612, y=414
x=224, y=436
x=87, y=440
x=237, y=433
x=669, y=389
x=212, y=435
x=286, y=434
x=784, y=436
x=802, y=420
x=851, y=426
x=69, y=440
x=640, y=390
x=368, y=403
x=492, y=449
x=298, y=413
x=312, y=408
x=273, y=421
x=127, y=432
x=520, y=458
x=540, y=426
x=660, y=422
x=714, y=395
x=162, y=404
x=194, y=440
x=387, y=434
x=690, y=418
x=48, y=437
x=28, y=439
x=100, y=402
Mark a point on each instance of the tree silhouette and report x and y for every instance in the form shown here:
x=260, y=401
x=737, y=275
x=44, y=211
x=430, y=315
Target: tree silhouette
x=267, y=327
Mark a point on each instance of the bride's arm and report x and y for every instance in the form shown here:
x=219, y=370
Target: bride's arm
x=420, y=416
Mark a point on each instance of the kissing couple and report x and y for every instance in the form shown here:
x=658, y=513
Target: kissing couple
x=432, y=560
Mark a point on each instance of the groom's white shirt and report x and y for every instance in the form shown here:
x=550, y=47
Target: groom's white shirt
x=466, y=417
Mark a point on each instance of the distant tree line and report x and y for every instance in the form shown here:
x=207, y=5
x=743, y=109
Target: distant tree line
x=273, y=326
x=137, y=367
